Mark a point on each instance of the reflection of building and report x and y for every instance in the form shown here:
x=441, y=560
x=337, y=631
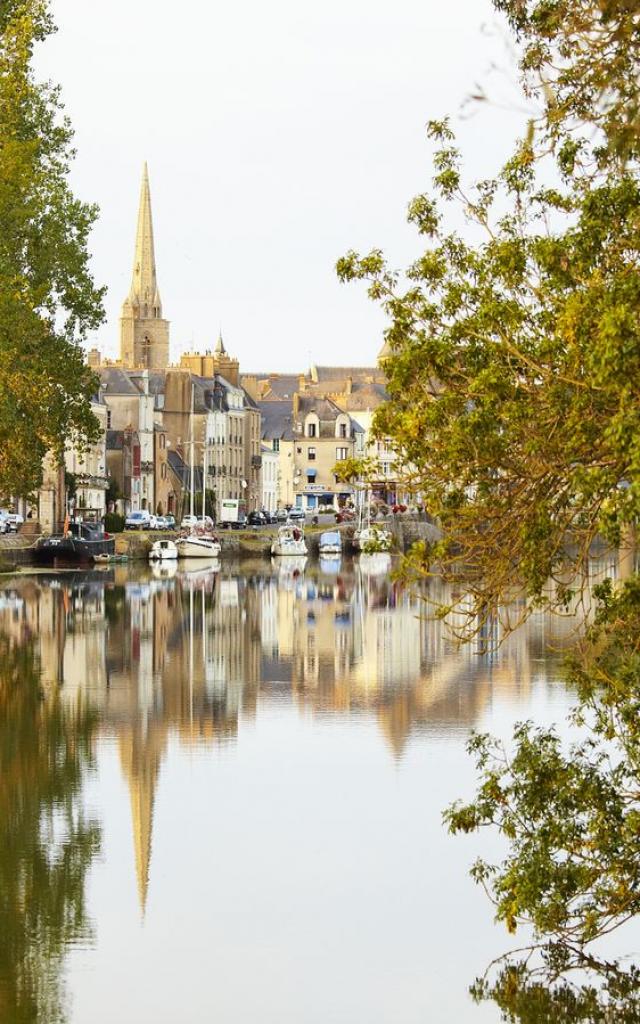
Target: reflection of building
x=188, y=658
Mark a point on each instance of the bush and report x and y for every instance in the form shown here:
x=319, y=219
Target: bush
x=113, y=522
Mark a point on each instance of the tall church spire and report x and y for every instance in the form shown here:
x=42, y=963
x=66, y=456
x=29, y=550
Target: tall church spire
x=144, y=335
x=144, y=285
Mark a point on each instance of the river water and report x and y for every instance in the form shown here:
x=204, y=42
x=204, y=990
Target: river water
x=222, y=794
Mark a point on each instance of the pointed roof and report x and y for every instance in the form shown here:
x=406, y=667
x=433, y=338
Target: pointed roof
x=220, y=350
x=144, y=286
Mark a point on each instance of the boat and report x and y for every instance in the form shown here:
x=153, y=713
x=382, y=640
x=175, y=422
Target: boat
x=198, y=545
x=330, y=543
x=78, y=544
x=372, y=539
x=163, y=550
x=289, y=541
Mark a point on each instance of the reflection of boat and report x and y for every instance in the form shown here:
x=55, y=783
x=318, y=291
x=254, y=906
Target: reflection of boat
x=162, y=570
x=372, y=539
x=330, y=543
x=377, y=564
x=330, y=565
x=81, y=543
x=291, y=565
x=163, y=551
x=204, y=572
x=198, y=546
x=289, y=541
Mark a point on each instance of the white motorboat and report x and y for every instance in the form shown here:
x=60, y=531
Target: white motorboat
x=289, y=541
x=372, y=539
x=198, y=545
x=330, y=543
x=163, y=551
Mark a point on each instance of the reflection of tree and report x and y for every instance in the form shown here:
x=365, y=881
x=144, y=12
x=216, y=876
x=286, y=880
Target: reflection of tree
x=46, y=843
x=525, y=996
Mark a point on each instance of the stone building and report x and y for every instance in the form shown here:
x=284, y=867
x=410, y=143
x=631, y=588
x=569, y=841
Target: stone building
x=130, y=405
x=277, y=437
x=88, y=467
x=323, y=436
x=144, y=334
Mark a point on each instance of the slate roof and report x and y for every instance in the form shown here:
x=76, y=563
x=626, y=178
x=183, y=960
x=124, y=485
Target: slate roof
x=115, y=381
x=320, y=374
x=276, y=420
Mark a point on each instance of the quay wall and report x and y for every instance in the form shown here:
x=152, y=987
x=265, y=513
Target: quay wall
x=17, y=549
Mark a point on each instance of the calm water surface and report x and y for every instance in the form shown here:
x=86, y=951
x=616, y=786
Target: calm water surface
x=222, y=796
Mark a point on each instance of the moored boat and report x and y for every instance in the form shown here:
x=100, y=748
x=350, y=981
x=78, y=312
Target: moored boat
x=198, y=546
x=289, y=541
x=163, y=551
x=330, y=543
x=372, y=539
x=79, y=544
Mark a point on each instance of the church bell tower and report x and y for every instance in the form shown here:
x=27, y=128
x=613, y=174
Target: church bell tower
x=144, y=335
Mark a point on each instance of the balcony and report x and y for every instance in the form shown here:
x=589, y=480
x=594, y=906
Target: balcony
x=256, y=461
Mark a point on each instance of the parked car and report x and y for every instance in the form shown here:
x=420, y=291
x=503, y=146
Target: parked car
x=256, y=519
x=140, y=520
x=297, y=513
x=188, y=522
x=153, y=522
x=4, y=522
x=15, y=521
x=169, y=522
x=281, y=515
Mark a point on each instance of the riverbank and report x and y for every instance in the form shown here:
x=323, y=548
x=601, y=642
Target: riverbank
x=17, y=550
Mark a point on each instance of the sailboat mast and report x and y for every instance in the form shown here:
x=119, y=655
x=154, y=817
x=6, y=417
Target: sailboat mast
x=191, y=455
x=204, y=474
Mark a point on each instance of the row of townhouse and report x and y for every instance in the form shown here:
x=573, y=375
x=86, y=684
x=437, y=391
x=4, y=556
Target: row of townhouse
x=267, y=441
x=311, y=422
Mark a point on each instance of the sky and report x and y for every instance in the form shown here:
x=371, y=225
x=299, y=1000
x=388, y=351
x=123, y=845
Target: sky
x=278, y=136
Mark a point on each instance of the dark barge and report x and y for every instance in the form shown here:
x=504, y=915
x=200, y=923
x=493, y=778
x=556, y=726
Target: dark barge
x=80, y=545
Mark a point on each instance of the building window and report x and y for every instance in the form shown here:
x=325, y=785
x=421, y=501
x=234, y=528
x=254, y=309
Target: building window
x=311, y=430
x=342, y=454
x=163, y=471
x=311, y=454
x=108, y=419
x=276, y=444
x=343, y=430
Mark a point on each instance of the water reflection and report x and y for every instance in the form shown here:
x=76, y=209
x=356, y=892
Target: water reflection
x=148, y=656
x=46, y=841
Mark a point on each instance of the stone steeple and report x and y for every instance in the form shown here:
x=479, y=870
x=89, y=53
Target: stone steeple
x=144, y=335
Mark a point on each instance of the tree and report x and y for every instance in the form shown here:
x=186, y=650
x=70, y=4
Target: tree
x=512, y=364
x=514, y=361
x=48, y=300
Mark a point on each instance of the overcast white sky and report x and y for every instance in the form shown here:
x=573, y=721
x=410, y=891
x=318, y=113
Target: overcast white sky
x=278, y=135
